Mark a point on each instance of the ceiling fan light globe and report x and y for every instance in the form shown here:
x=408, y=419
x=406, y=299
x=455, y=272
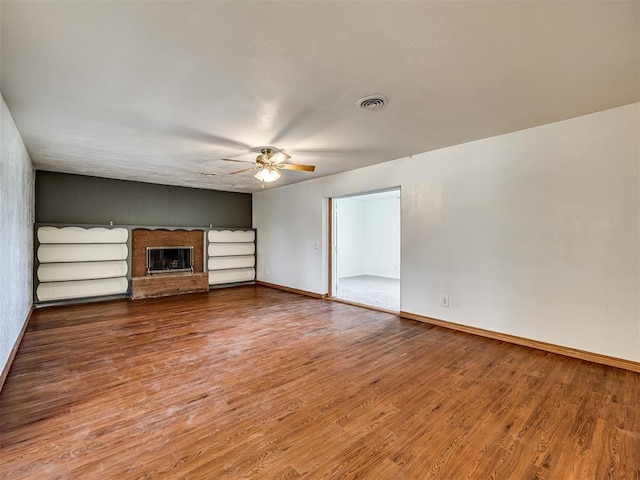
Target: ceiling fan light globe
x=267, y=175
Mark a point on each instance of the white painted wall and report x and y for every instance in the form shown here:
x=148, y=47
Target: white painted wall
x=368, y=236
x=351, y=238
x=534, y=233
x=16, y=233
x=382, y=252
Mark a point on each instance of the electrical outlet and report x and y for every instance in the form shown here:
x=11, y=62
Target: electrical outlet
x=444, y=302
x=266, y=272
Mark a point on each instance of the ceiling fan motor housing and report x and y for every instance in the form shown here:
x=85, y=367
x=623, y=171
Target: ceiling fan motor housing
x=265, y=156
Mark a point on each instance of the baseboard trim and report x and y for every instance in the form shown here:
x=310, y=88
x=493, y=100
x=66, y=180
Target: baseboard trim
x=291, y=290
x=525, y=342
x=14, y=350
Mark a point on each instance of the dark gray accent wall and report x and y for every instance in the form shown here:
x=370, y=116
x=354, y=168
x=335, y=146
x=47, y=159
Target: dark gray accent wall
x=78, y=199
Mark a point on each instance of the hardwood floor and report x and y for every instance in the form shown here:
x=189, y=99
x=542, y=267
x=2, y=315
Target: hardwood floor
x=257, y=383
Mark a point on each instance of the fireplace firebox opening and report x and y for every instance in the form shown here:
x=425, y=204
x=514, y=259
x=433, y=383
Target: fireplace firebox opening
x=161, y=260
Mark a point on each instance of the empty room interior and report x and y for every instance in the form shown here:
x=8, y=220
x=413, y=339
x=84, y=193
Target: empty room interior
x=320, y=240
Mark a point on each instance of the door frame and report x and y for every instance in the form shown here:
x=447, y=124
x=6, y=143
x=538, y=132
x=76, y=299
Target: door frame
x=332, y=210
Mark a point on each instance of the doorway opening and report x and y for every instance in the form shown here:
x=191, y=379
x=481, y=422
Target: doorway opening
x=365, y=253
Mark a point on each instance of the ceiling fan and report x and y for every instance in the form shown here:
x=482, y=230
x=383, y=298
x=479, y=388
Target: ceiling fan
x=268, y=165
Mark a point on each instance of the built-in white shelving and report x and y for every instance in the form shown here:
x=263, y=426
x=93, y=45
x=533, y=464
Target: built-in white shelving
x=76, y=262
x=231, y=256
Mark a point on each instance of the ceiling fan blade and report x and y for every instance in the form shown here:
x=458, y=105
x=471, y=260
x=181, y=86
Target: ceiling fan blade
x=243, y=170
x=232, y=160
x=295, y=166
x=279, y=157
x=208, y=173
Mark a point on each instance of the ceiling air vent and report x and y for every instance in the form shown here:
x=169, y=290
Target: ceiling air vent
x=372, y=102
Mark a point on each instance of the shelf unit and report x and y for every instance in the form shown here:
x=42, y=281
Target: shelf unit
x=75, y=262
x=231, y=256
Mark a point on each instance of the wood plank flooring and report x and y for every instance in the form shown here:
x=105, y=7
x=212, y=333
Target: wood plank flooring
x=255, y=383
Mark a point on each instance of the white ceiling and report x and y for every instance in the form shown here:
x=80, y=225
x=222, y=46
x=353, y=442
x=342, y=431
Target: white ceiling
x=161, y=91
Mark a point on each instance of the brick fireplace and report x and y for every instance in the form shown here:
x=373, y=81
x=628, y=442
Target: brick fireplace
x=145, y=286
